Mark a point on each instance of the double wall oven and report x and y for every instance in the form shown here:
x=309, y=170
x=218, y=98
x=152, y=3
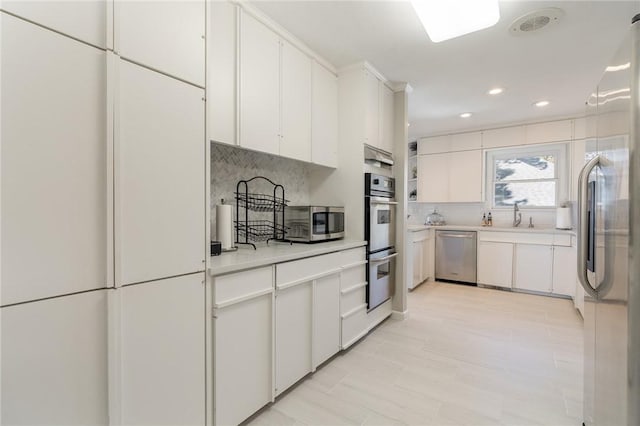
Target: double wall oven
x=380, y=233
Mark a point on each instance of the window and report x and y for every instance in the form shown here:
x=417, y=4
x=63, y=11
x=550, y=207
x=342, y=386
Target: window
x=533, y=176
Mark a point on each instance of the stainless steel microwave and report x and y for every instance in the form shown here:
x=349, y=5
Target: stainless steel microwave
x=311, y=224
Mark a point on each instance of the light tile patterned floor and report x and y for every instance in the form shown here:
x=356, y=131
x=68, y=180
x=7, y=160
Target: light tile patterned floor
x=465, y=356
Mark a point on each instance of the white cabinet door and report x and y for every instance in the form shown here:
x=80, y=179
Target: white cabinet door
x=167, y=36
x=434, y=145
x=84, y=20
x=386, y=118
x=428, y=259
x=465, y=176
x=466, y=141
x=293, y=334
x=54, y=361
x=259, y=86
x=53, y=164
x=564, y=270
x=326, y=318
x=433, y=182
x=553, y=131
x=163, y=352
x=243, y=334
x=372, y=110
x=222, y=73
x=418, y=260
x=159, y=176
x=533, y=267
x=324, y=117
x=495, y=263
x=508, y=136
x=295, y=139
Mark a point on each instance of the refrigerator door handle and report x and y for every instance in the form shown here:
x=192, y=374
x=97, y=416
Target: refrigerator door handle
x=584, y=228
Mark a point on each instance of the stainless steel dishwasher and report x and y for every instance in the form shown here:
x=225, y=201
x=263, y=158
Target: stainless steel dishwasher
x=456, y=256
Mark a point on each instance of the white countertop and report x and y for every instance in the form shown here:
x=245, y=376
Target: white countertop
x=415, y=228
x=248, y=258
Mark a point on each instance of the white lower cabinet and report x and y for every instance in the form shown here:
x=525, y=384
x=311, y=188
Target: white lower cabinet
x=293, y=334
x=495, y=263
x=162, y=352
x=423, y=257
x=243, y=344
x=353, y=297
x=564, y=270
x=274, y=325
x=54, y=361
x=326, y=318
x=534, y=267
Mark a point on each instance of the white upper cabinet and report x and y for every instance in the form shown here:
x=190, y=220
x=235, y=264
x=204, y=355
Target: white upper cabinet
x=465, y=176
x=159, y=176
x=54, y=361
x=378, y=112
x=85, y=20
x=295, y=139
x=53, y=164
x=222, y=73
x=168, y=36
x=324, y=117
x=259, y=86
x=553, y=131
x=434, y=145
x=508, y=136
x=433, y=178
x=451, y=177
x=465, y=141
x=386, y=117
x=372, y=109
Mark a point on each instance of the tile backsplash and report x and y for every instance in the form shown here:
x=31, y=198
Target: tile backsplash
x=230, y=164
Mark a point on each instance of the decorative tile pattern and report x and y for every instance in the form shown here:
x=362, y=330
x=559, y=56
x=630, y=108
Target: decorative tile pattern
x=230, y=164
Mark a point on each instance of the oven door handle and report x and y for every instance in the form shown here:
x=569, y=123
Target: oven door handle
x=392, y=203
x=383, y=259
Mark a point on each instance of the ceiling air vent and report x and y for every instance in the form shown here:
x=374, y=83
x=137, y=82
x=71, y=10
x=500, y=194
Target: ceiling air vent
x=536, y=20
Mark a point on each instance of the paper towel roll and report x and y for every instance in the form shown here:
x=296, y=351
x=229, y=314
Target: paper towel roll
x=224, y=225
x=563, y=218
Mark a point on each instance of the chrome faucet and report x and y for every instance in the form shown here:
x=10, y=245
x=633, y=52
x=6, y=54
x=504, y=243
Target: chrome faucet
x=516, y=221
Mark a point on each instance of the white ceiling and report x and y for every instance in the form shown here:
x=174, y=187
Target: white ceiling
x=560, y=63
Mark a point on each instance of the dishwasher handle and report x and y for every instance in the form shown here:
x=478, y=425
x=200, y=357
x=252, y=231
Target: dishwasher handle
x=455, y=235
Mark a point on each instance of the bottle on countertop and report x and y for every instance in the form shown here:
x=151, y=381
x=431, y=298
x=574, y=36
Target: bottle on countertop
x=489, y=220
x=484, y=219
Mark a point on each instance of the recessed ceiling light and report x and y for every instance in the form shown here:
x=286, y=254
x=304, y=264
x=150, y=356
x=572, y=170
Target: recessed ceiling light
x=541, y=104
x=465, y=115
x=444, y=20
x=496, y=91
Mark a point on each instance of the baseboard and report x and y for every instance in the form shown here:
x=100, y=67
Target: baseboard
x=397, y=315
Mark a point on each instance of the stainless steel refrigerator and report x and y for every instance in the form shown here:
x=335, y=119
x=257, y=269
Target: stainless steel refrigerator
x=609, y=242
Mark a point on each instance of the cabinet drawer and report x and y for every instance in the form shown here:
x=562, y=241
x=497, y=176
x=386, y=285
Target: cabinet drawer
x=354, y=325
x=562, y=240
x=516, y=237
x=420, y=236
x=306, y=269
x=352, y=297
x=349, y=257
x=352, y=276
x=227, y=288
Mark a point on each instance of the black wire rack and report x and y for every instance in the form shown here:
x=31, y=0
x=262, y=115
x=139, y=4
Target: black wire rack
x=258, y=230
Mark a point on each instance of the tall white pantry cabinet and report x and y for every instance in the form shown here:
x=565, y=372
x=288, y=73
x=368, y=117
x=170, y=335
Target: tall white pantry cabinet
x=102, y=158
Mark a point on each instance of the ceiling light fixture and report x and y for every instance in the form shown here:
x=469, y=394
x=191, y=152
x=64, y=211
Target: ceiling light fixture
x=444, y=20
x=496, y=91
x=541, y=104
x=465, y=115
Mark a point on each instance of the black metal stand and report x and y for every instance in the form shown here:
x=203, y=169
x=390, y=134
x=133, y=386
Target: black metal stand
x=262, y=229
